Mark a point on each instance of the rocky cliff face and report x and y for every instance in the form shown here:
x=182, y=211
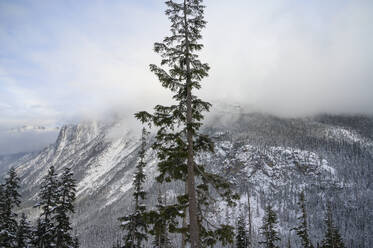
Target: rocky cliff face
x=268, y=158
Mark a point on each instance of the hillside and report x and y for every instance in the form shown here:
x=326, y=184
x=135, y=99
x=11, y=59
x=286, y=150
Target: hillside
x=330, y=157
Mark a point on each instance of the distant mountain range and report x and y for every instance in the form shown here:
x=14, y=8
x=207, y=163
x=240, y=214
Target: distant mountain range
x=30, y=128
x=271, y=158
x=26, y=138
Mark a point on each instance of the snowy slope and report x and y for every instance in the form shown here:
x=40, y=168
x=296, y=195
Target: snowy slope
x=272, y=158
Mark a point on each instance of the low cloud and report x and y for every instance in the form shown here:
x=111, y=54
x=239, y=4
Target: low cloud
x=291, y=58
x=278, y=56
x=18, y=141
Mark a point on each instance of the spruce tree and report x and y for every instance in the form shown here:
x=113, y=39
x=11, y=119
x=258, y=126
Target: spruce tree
x=241, y=236
x=302, y=228
x=268, y=229
x=48, y=198
x=8, y=216
x=64, y=207
x=332, y=237
x=178, y=139
x=24, y=234
x=135, y=224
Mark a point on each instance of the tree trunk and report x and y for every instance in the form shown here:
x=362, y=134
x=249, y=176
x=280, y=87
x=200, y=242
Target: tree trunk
x=250, y=239
x=183, y=236
x=193, y=220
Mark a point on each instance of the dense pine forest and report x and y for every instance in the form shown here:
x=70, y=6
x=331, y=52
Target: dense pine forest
x=53, y=227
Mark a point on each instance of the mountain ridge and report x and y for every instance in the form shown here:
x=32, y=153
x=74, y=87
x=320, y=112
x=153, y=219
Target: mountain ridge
x=272, y=158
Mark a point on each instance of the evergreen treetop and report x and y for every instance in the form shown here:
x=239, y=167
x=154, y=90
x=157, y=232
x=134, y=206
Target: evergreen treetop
x=135, y=224
x=8, y=217
x=139, y=177
x=64, y=207
x=48, y=194
x=11, y=188
x=56, y=199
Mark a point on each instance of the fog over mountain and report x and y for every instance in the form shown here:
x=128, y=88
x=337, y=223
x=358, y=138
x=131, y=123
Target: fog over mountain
x=82, y=60
x=282, y=57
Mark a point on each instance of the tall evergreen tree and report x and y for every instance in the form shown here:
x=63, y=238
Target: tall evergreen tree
x=302, y=228
x=8, y=216
x=24, y=234
x=332, y=237
x=48, y=198
x=178, y=139
x=241, y=236
x=135, y=224
x=268, y=229
x=64, y=207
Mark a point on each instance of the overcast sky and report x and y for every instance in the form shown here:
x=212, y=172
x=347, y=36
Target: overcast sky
x=69, y=59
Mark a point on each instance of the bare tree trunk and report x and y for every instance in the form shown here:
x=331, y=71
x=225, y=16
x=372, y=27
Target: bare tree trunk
x=183, y=236
x=193, y=212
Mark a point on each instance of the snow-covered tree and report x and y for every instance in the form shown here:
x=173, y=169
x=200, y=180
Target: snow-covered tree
x=302, y=228
x=48, y=198
x=64, y=208
x=178, y=140
x=332, y=237
x=269, y=229
x=241, y=236
x=135, y=223
x=24, y=233
x=8, y=217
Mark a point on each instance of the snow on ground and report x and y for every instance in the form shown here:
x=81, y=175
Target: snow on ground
x=338, y=133
x=112, y=156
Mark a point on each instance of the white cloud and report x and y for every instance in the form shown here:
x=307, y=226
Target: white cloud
x=286, y=59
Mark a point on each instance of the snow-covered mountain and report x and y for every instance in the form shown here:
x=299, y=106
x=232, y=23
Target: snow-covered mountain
x=330, y=157
x=7, y=160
